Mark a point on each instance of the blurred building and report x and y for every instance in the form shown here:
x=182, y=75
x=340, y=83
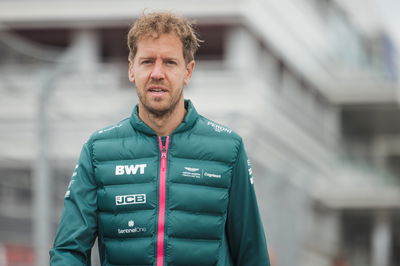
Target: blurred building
x=311, y=85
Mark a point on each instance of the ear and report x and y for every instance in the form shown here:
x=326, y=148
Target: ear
x=131, y=75
x=189, y=71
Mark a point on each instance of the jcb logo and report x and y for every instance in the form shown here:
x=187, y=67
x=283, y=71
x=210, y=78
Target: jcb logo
x=130, y=169
x=130, y=199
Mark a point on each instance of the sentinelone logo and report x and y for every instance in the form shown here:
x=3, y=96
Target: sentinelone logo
x=131, y=230
x=130, y=199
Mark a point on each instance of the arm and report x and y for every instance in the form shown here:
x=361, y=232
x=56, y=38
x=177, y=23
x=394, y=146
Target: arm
x=244, y=228
x=77, y=230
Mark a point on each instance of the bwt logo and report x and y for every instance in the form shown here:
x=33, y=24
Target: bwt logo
x=130, y=169
x=130, y=199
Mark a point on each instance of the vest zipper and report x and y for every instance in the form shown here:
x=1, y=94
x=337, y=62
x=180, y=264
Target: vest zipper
x=162, y=197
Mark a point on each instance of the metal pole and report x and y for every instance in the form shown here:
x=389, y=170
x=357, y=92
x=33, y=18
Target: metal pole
x=42, y=181
x=42, y=203
x=41, y=178
x=42, y=197
x=381, y=239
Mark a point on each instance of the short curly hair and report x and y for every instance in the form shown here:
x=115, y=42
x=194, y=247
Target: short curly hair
x=157, y=23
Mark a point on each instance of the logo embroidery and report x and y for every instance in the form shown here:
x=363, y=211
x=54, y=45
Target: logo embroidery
x=192, y=169
x=131, y=230
x=110, y=128
x=250, y=172
x=198, y=173
x=192, y=172
x=212, y=175
x=130, y=199
x=68, y=192
x=219, y=128
x=130, y=169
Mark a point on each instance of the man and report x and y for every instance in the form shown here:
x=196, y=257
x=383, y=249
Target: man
x=165, y=186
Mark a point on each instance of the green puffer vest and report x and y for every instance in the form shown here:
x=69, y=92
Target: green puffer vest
x=162, y=201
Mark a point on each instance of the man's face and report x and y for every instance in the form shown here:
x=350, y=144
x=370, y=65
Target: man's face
x=159, y=72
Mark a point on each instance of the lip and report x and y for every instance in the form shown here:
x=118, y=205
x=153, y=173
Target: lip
x=157, y=90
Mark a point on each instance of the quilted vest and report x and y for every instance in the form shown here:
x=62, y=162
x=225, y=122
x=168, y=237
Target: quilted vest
x=164, y=198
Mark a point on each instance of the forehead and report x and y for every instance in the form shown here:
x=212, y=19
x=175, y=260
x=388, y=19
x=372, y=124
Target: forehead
x=164, y=44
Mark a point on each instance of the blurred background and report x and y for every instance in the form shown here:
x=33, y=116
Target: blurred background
x=311, y=85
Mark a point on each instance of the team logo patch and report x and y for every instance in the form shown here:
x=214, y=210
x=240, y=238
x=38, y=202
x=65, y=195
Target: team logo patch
x=190, y=169
x=192, y=172
x=198, y=173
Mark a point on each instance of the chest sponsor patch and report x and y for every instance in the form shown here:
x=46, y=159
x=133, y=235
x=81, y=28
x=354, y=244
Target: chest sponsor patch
x=212, y=175
x=199, y=173
x=131, y=228
x=132, y=169
x=130, y=199
x=192, y=172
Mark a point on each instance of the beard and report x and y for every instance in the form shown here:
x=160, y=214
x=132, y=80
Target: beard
x=160, y=112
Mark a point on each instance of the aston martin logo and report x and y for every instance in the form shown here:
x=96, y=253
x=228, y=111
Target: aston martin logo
x=192, y=169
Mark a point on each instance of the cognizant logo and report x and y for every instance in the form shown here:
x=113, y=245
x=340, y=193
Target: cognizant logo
x=130, y=199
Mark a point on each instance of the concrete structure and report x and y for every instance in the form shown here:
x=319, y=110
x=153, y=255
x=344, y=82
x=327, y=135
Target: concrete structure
x=294, y=78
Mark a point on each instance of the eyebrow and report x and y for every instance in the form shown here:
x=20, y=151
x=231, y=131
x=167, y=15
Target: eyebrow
x=153, y=57
x=146, y=57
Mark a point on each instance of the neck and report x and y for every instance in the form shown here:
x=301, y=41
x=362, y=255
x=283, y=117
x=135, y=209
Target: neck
x=166, y=124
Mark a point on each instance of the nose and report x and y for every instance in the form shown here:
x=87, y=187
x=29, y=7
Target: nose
x=157, y=72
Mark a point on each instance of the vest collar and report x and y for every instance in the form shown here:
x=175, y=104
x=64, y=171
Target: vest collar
x=187, y=123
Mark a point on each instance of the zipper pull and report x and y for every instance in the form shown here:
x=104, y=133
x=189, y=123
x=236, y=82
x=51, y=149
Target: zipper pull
x=163, y=146
x=163, y=152
x=163, y=157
